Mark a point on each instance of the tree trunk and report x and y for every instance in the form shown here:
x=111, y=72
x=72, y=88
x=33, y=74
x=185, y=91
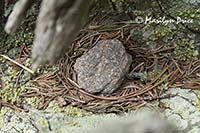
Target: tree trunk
x=57, y=25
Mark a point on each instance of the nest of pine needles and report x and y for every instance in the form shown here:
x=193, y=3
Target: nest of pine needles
x=152, y=72
x=161, y=72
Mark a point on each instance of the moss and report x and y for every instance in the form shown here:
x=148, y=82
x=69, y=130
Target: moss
x=73, y=124
x=11, y=90
x=25, y=34
x=8, y=42
x=68, y=110
x=14, y=81
x=75, y=112
x=34, y=101
x=148, y=76
x=154, y=73
x=180, y=112
x=152, y=35
x=1, y=121
x=53, y=106
x=185, y=49
x=197, y=104
x=156, y=104
x=141, y=75
x=47, y=69
x=2, y=113
x=43, y=123
x=164, y=86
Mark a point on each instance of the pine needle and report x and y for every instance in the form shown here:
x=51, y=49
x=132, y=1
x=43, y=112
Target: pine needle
x=20, y=65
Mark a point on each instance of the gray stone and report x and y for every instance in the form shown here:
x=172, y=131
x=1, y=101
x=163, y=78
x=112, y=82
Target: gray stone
x=102, y=68
x=55, y=121
x=143, y=121
x=183, y=109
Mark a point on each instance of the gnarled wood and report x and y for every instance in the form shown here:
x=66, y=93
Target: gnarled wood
x=17, y=15
x=58, y=23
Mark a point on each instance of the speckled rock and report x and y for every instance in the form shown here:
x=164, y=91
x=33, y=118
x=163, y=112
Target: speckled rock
x=142, y=121
x=183, y=109
x=102, y=68
x=45, y=121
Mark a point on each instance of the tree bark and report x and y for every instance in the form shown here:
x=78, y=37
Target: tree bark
x=58, y=24
x=17, y=15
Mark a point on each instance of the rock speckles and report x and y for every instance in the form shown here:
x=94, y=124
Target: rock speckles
x=102, y=68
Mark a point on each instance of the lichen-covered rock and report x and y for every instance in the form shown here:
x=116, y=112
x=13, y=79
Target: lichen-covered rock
x=102, y=68
x=183, y=109
x=143, y=121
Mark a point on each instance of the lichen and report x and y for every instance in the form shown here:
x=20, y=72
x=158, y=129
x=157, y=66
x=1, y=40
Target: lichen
x=182, y=37
x=68, y=110
x=4, y=111
x=197, y=104
x=14, y=80
x=73, y=123
x=34, y=101
x=43, y=123
x=11, y=90
x=164, y=86
x=185, y=49
x=75, y=112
